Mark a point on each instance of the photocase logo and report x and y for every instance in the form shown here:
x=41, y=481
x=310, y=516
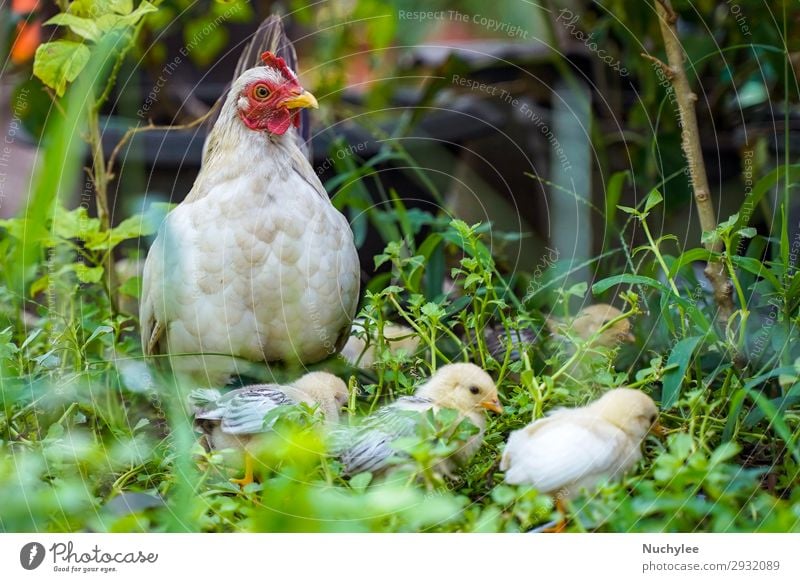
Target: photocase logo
x=31, y=555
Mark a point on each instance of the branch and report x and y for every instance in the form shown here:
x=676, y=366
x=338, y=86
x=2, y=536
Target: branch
x=151, y=127
x=690, y=143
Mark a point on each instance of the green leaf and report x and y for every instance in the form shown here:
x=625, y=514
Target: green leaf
x=681, y=445
x=60, y=62
x=87, y=274
x=134, y=17
x=110, y=21
x=654, y=199
x=92, y=8
x=425, y=250
x=734, y=408
x=504, y=495
x=627, y=279
x=728, y=224
x=99, y=330
x=74, y=224
x=628, y=210
x=577, y=290
x=722, y=453
x=120, y=6
x=781, y=404
x=613, y=194
x=433, y=311
x=681, y=356
x=95, y=9
x=764, y=185
x=33, y=335
x=688, y=257
x=472, y=280
x=359, y=482
x=757, y=268
x=130, y=228
x=776, y=420
x=81, y=26
x=710, y=237
x=131, y=287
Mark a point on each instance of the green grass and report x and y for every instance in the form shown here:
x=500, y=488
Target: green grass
x=85, y=420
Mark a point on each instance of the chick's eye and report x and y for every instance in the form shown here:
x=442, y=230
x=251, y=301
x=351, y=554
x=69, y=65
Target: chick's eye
x=261, y=92
x=474, y=390
x=653, y=418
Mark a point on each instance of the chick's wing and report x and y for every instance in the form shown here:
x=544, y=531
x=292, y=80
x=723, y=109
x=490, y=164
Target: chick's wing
x=244, y=409
x=369, y=446
x=563, y=452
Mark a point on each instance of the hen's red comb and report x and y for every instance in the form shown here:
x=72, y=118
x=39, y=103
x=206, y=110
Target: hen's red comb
x=272, y=60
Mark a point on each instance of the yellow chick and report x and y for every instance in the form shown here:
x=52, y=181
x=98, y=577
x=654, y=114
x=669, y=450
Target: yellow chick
x=588, y=322
x=575, y=448
x=399, y=338
x=231, y=420
x=465, y=388
x=585, y=325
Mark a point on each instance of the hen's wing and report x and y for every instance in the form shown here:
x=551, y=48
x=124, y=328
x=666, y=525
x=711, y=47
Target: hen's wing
x=369, y=446
x=152, y=329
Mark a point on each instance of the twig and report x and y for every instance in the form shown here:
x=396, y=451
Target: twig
x=665, y=68
x=150, y=127
x=692, y=150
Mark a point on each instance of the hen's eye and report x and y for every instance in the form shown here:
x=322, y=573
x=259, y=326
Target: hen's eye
x=474, y=390
x=261, y=92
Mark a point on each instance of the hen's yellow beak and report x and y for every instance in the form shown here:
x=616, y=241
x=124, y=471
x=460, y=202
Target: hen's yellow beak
x=305, y=99
x=493, y=405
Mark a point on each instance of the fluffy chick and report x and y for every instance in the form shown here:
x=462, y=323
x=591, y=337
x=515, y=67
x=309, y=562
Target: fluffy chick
x=400, y=339
x=231, y=420
x=575, y=448
x=584, y=326
x=587, y=323
x=465, y=388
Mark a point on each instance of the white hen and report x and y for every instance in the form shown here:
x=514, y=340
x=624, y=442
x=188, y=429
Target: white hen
x=255, y=263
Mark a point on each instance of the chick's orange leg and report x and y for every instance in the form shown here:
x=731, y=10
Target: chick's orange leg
x=248, y=471
x=562, y=523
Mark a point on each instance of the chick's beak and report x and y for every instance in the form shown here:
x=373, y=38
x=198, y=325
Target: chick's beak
x=629, y=338
x=493, y=405
x=658, y=430
x=303, y=100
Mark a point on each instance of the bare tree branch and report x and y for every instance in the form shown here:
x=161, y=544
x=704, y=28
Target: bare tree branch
x=690, y=143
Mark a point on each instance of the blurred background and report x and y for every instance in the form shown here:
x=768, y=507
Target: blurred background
x=507, y=112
